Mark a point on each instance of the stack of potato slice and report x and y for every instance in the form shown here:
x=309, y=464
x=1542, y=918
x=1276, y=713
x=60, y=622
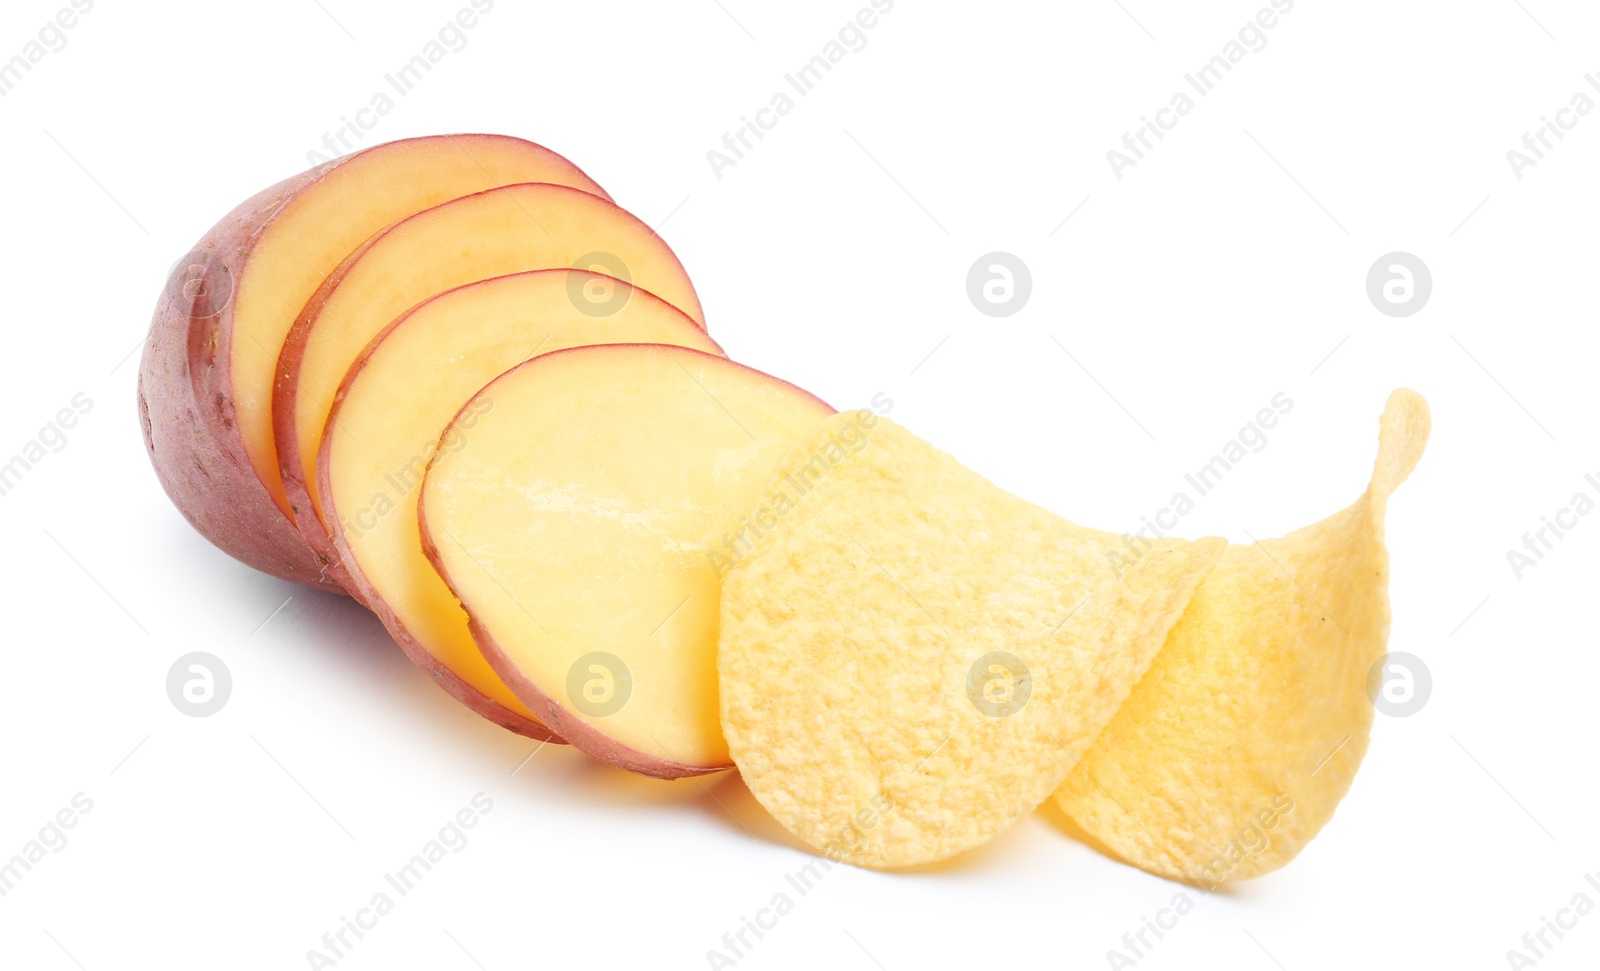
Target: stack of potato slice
x=450, y=377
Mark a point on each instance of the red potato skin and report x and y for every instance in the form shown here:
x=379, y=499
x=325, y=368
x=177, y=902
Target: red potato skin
x=186, y=406
x=458, y=689
x=314, y=534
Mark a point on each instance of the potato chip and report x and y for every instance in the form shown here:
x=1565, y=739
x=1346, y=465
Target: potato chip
x=911, y=659
x=1233, y=750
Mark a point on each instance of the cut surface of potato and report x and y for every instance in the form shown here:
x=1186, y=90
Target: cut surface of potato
x=580, y=526
x=502, y=231
x=392, y=409
x=1235, y=748
x=207, y=378
x=912, y=659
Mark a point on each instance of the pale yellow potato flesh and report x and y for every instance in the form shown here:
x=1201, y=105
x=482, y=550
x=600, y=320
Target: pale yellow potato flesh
x=309, y=237
x=398, y=400
x=583, y=516
x=911, y=658
x=1235, y=748
x=501, y=231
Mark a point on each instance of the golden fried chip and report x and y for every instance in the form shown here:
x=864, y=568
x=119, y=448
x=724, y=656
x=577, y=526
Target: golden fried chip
x=911, y=658
x=1233, y=751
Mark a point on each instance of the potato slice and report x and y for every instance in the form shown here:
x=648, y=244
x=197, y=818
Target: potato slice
x=1235, y=748
x=580, y=523
x=911, y=658
x=501, y=231
x=206, y=381
x=397, y=400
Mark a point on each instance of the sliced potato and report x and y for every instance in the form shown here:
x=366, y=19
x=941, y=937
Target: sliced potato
x=579, y=524
x=505, y=230
x=206, y=381
x=397, y=401
x=1233, y=751
x=911, y=658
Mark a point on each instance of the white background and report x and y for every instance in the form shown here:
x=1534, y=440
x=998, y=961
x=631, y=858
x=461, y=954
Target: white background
x=1227, y=266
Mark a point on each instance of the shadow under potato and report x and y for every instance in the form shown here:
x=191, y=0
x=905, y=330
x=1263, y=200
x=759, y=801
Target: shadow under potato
x=335, y=625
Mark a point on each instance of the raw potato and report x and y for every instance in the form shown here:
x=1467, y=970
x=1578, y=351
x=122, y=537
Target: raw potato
x=206, y=381
x=863, y=695
x=580, y=526
x=392, y=407
x=501, y=231
x=1235, y=748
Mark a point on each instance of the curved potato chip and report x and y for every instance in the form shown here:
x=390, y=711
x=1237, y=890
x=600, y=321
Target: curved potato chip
x=1233, y=751
x=911, y=659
